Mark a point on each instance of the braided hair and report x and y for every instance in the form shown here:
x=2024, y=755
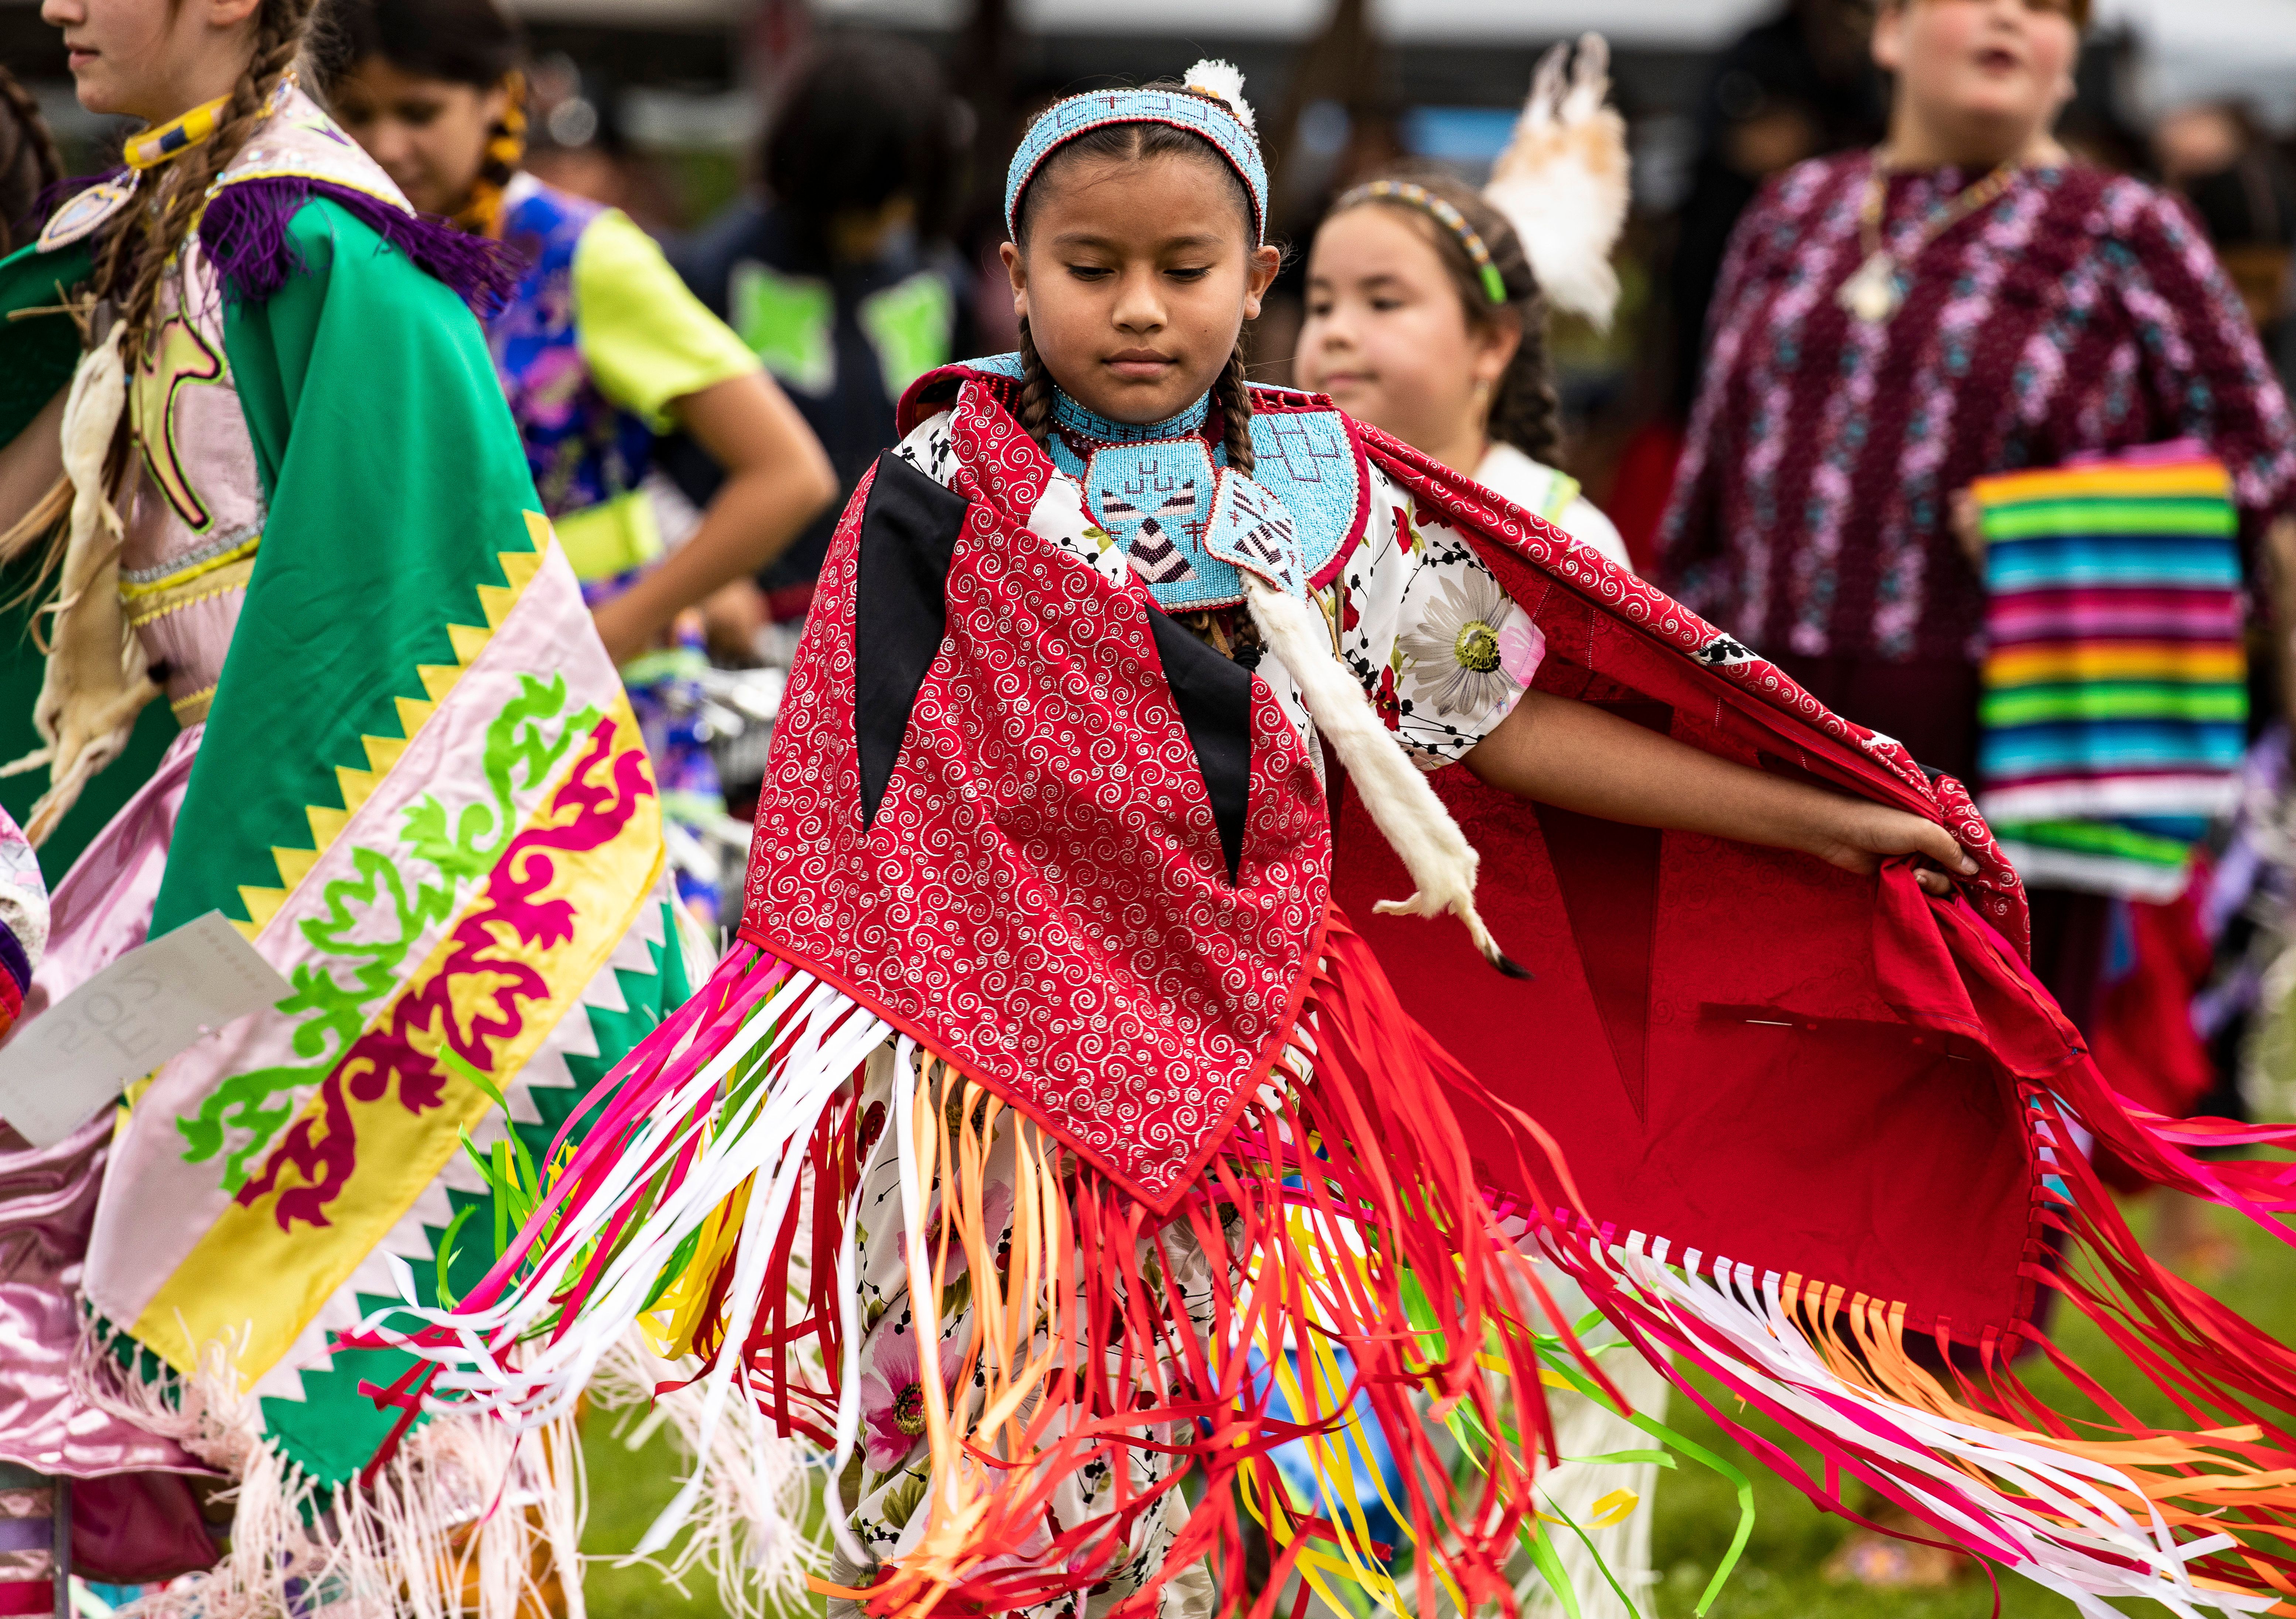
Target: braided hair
x=145, y=243
x=29, y=163
x=132, y=264
x=1036, y=389
x=1523, y=410
x=1137, y=143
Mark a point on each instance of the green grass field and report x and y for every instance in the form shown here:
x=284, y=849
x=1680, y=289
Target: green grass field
x=1696, y=1513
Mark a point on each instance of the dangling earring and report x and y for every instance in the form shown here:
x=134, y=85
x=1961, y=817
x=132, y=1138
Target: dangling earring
x=505, y=150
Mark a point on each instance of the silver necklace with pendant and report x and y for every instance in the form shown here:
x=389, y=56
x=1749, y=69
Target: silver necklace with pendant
x=1875, y=291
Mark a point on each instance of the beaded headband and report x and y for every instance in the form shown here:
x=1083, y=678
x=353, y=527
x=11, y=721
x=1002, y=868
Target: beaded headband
x=1427, y=202
x=1230, y=132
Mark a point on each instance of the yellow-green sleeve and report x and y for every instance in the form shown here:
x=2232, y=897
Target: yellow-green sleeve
x=646, y=338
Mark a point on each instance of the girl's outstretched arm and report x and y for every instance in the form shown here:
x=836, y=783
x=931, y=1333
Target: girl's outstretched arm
x=1576, y=757
x=777, y=477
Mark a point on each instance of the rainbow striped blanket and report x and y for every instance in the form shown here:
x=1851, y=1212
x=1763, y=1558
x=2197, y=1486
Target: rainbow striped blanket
x=2115, y=703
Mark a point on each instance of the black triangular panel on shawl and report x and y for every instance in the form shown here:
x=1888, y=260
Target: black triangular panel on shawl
x=1214, y=697
x=900, y=616
x=901, y=611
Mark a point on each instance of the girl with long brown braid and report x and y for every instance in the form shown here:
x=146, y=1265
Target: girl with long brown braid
x=250, y=423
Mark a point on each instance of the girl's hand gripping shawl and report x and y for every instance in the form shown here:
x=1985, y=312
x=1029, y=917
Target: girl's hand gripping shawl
x=1829, y=1130
x=1050, y=877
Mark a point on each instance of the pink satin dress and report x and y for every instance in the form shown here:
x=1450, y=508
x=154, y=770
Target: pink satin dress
x=194, y=516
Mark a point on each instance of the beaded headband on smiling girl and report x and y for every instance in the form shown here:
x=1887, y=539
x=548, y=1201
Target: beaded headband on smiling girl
x=1443, y=214
x=1224, y=119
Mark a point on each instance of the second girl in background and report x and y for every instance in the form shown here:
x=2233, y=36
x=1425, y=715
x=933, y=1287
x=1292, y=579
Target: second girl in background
x=1426, y=318
x=600, y=348
x=1427, y=307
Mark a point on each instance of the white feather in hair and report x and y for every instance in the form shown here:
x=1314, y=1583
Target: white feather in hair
x=1225, y=80
x=1561, y=181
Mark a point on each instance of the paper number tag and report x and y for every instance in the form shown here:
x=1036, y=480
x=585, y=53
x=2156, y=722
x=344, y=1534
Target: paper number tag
x=152, y=1002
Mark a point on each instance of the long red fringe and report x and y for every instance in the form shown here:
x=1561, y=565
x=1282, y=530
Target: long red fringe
x=2231, y=1471
x=1368, y=1148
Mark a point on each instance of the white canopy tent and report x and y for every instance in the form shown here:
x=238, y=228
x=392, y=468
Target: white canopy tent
x=2207, y=50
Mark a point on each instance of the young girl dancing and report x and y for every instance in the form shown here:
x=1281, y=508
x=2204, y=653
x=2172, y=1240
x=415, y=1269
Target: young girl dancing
x=272, y=480
x=1050, y=1095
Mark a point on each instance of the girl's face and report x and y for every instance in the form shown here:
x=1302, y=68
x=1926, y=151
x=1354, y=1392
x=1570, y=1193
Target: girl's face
x=430, y=135
x=1138, y=276
x=1387, y=337
x=1980, y=76
x=149, y=58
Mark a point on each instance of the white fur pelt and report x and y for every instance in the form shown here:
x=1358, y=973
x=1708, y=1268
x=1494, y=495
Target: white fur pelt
x=97, y=682
x=1436, y=853
x=1562, y=180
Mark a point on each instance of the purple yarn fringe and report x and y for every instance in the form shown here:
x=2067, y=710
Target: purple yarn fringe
x=57, y=192
x=244, y=232
x=52, y=196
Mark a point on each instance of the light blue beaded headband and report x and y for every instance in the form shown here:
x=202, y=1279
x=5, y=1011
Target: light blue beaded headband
x=1230, y=132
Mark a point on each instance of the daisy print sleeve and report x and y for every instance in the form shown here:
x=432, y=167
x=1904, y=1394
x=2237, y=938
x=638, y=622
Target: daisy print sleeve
x=1443, y=649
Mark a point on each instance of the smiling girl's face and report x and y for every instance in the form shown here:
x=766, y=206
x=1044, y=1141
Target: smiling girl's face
x=1135, y=276
x=1388, y=338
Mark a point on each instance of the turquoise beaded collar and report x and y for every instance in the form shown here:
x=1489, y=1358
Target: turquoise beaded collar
x=1090, y=424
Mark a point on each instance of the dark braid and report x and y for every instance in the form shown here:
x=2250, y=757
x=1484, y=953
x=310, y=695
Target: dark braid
x=28, y=162
x=1523, y=410
x=1036, y=391
x=1232, y=394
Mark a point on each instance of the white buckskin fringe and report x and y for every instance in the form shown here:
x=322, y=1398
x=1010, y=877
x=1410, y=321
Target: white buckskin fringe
x=2046, y=1511
x=756, y=1143
x=466, y=1518
x=97, y=682
x=748, y=1526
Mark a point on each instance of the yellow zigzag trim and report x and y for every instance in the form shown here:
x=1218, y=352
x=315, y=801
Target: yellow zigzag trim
x=327, y=824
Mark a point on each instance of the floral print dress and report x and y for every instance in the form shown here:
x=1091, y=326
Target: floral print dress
x=1444, y=653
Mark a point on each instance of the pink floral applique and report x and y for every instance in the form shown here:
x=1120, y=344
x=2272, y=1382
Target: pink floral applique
x=893, y=1396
